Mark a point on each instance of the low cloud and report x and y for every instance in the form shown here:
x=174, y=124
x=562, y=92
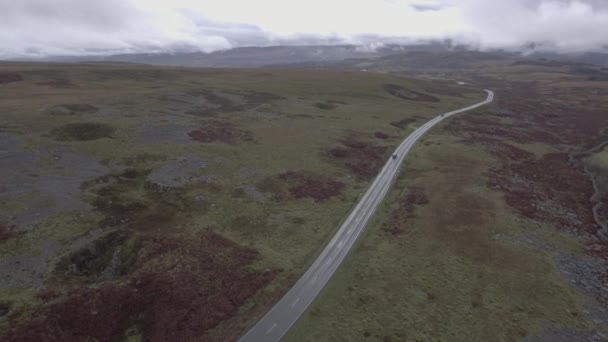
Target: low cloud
x=30, y=28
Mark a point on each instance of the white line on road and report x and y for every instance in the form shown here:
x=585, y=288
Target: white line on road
x=295, y=302
x=272, y=327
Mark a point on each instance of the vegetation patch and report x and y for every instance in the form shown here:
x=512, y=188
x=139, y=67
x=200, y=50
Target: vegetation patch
x=72, y=109
x=208, y=103
x=57, y=83
x=5, y=308
x=221, y=131
x=474, y=126
x=541, y=189
x=381, y=135
x=403, y=123
x=329, y=104
x=499, y=148
x=306, y=184
x=413, y=197
x=325, y=105
x=105, y=258
x=83, y=131
x=300, y=184
x=406, y=94
x=363, y=158
x=184, y=287
x=144, y=159
x=128, y=200
x=9, y=77
x=5, y=232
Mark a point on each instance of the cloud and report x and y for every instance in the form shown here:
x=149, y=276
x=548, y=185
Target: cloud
x=423, y=7
x=77, y=27
x=557, y=25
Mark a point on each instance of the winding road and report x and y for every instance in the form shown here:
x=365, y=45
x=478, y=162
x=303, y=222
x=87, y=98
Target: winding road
x=287, y=311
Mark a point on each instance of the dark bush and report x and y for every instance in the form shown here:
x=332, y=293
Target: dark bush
x=82, y=131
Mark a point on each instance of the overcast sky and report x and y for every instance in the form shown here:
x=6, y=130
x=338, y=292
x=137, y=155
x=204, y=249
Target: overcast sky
x=78, y=27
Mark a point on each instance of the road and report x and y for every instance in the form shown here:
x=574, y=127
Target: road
x=287, y=311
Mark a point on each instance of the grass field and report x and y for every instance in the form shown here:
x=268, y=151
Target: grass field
x=489, y=234
x=169, y=203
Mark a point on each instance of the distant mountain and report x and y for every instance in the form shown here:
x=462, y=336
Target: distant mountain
x=391, y=58
x=595, y=58
x=243, y=57
x=416, y=58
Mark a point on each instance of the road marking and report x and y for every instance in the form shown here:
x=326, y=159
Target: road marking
x=272, y=327
x=314, y=280
x=329, y=260
x=340, y=244
x=295, y=302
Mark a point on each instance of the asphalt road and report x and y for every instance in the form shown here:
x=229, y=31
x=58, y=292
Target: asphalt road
x=287, y=311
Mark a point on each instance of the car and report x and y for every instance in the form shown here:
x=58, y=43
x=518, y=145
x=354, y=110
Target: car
x=394, y=156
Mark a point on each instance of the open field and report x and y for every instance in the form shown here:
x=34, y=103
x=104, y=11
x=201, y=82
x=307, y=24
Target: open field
x=178, y=204
x=490, y=233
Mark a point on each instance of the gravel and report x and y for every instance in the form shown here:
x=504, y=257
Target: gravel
x=178, y=173
x=28, y=270
x=47, y=178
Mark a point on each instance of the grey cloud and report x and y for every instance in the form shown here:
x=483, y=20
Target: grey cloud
x=426, y=7
x=551, y=25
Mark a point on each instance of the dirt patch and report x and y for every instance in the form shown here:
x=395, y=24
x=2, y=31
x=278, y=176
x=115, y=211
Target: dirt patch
x=415, y=196
x=221, y=131
x=72, y=109
x=310, y=185
x=83, y=131
x=9, y=77
x=406, y=94
x=363, y=158
x=184, y=287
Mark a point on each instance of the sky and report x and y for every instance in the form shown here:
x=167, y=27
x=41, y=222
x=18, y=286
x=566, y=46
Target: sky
x=37, y=28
